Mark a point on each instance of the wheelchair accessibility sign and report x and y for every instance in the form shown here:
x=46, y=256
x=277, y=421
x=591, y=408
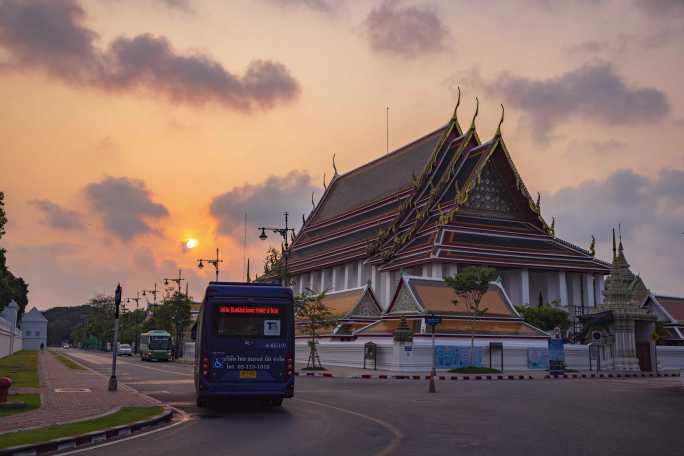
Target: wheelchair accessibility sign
x=218, y=363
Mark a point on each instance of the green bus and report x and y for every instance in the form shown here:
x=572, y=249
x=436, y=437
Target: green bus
x=155, y=344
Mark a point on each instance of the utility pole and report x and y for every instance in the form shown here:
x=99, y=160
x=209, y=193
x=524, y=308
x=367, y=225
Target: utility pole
x=214, y=262
x=284, y=232
x=113, y=383
x=177, y=280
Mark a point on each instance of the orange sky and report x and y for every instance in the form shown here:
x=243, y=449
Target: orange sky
x=613, y=69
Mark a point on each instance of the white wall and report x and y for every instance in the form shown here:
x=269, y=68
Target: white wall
x=34, y=333
x=6, y=338
x=670, y=357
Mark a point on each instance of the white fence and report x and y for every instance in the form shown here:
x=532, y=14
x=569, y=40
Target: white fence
x=10, y=338
x=670, y=357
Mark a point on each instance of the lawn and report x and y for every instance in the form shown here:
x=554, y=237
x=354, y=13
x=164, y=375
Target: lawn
x=124, y=416
x=31, y=401
x=68, y=362
x=22, y=368
x=475, y=370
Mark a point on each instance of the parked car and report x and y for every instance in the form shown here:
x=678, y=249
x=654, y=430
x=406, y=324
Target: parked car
x=125, y=349
x=65, y=345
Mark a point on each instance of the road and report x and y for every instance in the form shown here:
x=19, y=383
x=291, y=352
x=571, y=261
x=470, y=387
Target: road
x=380, y=417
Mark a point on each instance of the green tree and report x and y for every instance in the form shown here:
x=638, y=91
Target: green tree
x=11, y=287
x=172, y=315
x=470, y=285
x=546, y=317
x=314, y=316
x=130, y=326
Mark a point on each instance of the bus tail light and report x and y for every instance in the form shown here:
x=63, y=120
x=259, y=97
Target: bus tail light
x=290, y=365
x=205, y=364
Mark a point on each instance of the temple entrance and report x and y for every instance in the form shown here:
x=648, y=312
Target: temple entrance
x=644, y=355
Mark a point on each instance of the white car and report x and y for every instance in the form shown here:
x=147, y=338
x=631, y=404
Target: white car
x=125, y=349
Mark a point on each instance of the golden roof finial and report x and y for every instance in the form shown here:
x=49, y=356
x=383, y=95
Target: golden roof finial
x=313, y=203
x=458, y=103
x=498, y=129
x=592, y=246
x=477, y=110
x=325, y=186
x=334, y=167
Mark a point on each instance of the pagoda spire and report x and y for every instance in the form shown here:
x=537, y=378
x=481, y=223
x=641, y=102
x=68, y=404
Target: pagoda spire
x=454, y=117
x=614, y=252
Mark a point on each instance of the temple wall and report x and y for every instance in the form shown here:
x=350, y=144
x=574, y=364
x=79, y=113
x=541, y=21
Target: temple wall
x=670, y=357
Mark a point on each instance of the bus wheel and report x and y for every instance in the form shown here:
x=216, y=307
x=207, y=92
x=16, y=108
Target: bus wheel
x=276, y=402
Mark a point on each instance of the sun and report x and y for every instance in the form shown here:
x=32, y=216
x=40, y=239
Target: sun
x=191, y=243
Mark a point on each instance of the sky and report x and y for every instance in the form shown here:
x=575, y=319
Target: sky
x=128, y=127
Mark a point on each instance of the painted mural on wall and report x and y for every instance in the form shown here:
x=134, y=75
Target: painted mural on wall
x=449, y=357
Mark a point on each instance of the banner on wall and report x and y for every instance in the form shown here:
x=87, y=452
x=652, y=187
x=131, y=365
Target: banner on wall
x=537, y=358
x=449, y=357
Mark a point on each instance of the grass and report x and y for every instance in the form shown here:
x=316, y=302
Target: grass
x=22, y=368
x=314, y=368
x=475, y=370
x=124, y=416
x=31, y=402
x=68, y=362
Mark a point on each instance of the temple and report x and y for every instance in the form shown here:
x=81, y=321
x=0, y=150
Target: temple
x=442, y=202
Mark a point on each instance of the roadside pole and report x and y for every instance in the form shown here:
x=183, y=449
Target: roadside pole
x=433, y=321
x=113, y=383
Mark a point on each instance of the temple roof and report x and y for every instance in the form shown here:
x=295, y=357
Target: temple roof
x=467, y=204
x=357, y=302
x=418, y=295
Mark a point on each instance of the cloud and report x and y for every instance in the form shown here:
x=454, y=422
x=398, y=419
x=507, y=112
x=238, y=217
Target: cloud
x=409, y=31
x=264, y=203
x=56, y=216
x=124, y=204
x=662, y=9
x=181, y=5
x=591, y=92
x=322, y=6
x=51, y=36
x=650, y=210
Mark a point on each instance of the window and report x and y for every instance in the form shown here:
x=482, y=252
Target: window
x=27, y=333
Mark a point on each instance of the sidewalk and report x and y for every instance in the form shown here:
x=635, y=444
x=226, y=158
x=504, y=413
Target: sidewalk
x=60, y=407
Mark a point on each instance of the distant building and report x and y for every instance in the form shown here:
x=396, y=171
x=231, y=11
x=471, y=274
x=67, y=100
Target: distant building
x=34, y=329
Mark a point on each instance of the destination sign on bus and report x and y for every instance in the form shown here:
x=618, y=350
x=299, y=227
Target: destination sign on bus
x=252, y=310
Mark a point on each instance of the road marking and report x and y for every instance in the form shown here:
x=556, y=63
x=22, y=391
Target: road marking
x=89, y=358
x=162, y=382
x=394, y=443
x=185, y=418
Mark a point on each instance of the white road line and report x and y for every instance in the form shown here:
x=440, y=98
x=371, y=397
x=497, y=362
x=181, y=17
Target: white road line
x=87, y=357
x=397, y=435
x=162, y=382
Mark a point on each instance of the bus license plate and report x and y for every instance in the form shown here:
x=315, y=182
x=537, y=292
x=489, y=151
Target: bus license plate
x=247, y=374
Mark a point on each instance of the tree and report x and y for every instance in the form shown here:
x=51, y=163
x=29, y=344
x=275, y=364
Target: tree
x=546, y=317
x=315, y=316
x=12, y=288
x=470, y=285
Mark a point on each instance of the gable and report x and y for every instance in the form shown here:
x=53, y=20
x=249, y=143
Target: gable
x=367, y=306
x=403, y=301
x=491, y=194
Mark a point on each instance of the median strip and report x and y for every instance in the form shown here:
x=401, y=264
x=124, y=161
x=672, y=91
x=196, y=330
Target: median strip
x=122, y=422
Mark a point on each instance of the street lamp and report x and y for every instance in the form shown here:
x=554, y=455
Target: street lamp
x=178, y=281
x=153, y=293
x=136, y=299
x=284, y=232
x=214, y=263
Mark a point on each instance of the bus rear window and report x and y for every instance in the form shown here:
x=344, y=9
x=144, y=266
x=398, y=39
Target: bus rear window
x=248, y=321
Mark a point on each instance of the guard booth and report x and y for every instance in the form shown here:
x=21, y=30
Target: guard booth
x=370, y=352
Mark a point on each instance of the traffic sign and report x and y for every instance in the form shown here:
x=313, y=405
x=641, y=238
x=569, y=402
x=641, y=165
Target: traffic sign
x=433, y=320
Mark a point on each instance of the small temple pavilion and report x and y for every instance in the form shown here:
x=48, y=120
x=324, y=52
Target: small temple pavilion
x=419, y=213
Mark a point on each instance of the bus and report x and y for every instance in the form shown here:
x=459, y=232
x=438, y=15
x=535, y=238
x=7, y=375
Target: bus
x=155, y=344
x=244, y=343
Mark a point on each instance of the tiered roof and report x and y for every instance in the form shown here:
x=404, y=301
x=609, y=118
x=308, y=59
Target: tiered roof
x=417, y=297
x=445, y=196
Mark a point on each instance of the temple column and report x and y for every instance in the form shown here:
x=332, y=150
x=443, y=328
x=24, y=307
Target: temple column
x=374, y=281
x=347, y=267
x=387, y=282
x=525, y=287
x=301, y=283
x=322, y=287
x=359, y=274
x=562, y=289
x=311, y=279
x=600, y=284
x=588, y=290
x=437, y=270
x=426, y=270
x=334, y=279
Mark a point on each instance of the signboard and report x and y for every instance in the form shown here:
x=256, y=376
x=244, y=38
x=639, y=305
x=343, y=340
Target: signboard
x=537, y=358
x=449, y=357
x=433, y=320
x=271, y=327
x=249, y=310
x=556, y=356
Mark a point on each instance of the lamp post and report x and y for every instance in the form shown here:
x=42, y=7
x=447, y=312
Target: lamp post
x=178, y=281
x=214, y=263
x=153, y=293
x=136, y=299
x=284, y=232
x=113, y=383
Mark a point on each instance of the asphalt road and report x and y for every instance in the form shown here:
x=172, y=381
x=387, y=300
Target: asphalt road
x=378, y=417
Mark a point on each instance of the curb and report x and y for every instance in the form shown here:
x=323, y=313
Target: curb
x=572, y=376
x=95, y=437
